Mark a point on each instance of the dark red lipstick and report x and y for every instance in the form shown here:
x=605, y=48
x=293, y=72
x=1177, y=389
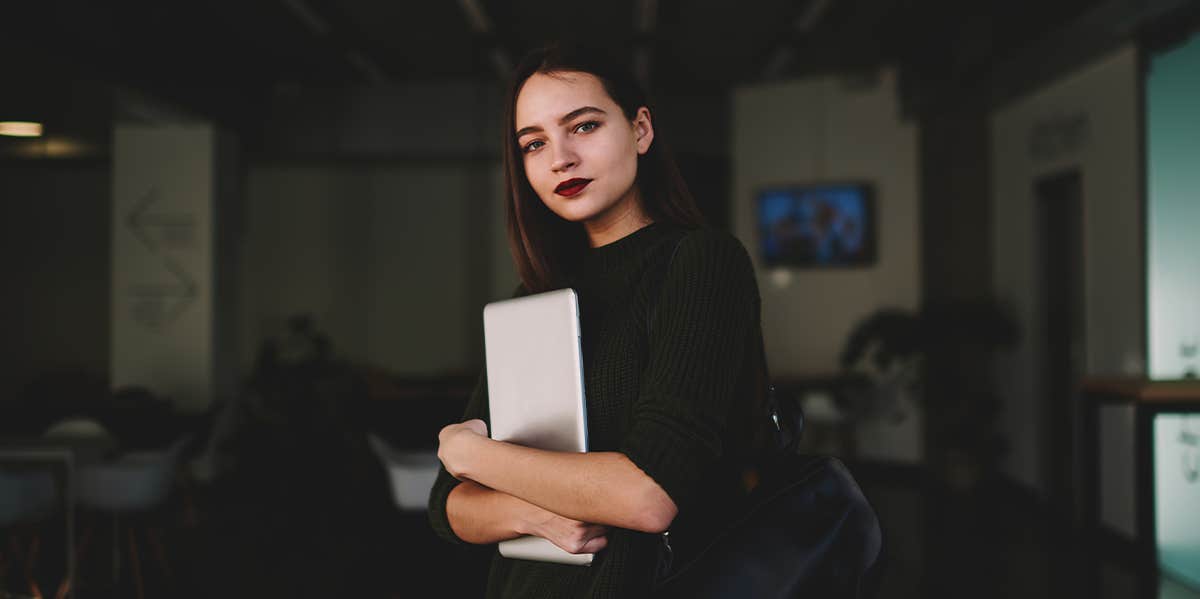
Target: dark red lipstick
x=571, y=187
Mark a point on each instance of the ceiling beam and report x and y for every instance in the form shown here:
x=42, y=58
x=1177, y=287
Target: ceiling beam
x=483, y=29
x=320, y=28
x=804, y=23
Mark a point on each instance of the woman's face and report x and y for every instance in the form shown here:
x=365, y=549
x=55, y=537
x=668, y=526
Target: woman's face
x=580, y=151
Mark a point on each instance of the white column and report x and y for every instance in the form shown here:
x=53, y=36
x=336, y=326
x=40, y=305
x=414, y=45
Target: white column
x=168, y=183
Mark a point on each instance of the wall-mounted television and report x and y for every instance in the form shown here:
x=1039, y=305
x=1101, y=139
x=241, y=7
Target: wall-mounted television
x=826, y=225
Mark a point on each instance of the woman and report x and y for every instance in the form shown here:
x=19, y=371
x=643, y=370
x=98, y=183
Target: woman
x=670, y=331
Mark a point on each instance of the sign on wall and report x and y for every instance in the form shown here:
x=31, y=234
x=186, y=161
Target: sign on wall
x=163, y=248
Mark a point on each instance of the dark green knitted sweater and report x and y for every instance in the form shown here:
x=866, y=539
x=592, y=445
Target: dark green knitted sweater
x=667, y=358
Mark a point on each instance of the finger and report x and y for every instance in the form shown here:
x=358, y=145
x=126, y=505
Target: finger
x=594, y=531
x=569, y=545
x=594, y=545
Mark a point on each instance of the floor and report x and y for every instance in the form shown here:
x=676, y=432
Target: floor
x=315, y=524
x=988, y=545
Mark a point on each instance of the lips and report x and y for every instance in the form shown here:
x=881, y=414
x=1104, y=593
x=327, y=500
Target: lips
x=571, y=187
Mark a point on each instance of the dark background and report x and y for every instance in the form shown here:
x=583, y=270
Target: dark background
x=276, y=490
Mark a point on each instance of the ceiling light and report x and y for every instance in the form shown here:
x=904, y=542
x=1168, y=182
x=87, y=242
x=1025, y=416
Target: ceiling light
x=20, y=129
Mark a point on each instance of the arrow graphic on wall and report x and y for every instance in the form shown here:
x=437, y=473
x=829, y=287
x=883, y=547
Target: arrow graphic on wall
x=159, y=230
x=160, y=303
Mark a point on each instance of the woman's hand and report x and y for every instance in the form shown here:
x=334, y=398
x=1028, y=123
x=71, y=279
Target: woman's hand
x=569, y=535
x=454, y=443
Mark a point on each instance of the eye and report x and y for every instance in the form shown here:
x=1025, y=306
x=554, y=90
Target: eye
x=533, y=145
x=587, y=127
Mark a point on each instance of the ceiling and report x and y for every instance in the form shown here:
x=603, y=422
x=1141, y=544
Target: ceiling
x=223, y=58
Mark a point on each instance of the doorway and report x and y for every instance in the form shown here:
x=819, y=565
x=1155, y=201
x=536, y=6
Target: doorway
x=1060, y=262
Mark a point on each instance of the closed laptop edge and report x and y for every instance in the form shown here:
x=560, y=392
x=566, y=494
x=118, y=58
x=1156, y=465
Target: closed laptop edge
x=538, y=549
x=536, y=390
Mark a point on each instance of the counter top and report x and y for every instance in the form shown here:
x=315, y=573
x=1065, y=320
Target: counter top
x=1144, y=390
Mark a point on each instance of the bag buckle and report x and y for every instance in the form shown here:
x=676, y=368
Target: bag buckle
x=665, y=559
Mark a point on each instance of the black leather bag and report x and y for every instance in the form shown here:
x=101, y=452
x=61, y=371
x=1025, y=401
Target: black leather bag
x=805, y=530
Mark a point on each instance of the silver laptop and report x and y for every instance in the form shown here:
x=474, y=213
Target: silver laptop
x=536, y=390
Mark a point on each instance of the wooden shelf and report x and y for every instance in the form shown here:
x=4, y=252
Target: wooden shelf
x=1143, y=390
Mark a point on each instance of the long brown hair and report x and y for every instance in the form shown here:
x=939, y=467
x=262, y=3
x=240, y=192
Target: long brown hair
x=545, y=246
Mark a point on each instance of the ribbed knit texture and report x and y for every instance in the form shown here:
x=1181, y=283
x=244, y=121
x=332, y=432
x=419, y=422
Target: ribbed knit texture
x=666, y=358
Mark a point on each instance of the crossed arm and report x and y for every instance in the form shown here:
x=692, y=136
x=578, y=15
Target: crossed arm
x=692, y=370
x=509, y=490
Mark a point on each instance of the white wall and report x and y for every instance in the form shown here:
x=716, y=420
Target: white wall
x=394, y=262
x=165, y=314
x=1104, y=96
x=820, y=130
x=379, y=211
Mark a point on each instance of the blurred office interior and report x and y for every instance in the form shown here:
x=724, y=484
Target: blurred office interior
x=248, y=246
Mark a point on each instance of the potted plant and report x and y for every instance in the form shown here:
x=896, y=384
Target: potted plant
x=942, y=353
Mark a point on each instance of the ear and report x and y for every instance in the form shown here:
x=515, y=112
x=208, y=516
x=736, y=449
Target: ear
x=643, y=130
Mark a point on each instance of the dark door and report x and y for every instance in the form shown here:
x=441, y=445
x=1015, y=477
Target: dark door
x=1060, y=259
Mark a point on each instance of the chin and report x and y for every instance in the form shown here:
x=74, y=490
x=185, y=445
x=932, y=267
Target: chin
x=577, y=210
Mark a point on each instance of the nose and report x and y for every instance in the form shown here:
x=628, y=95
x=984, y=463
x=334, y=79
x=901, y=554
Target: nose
x=564, y=158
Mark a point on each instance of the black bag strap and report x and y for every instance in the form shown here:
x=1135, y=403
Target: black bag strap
x=787, y=418
x=785, y=436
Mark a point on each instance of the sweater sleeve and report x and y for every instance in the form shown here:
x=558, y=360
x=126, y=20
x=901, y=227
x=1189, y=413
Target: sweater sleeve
x=477, y=407
x=699, y=329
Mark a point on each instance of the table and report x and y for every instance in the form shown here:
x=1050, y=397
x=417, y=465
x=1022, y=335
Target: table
x=1138, y=490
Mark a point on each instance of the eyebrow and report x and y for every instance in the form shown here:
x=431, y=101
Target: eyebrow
x=564, y=120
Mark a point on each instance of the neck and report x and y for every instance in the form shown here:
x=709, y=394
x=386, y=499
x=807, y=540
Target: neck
x=623, y=218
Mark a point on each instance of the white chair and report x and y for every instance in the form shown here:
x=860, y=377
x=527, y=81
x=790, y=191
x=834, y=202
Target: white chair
x=827, y=428
x=129, y=486
x=26, y=498
x=412, y=473
x=78, y=430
